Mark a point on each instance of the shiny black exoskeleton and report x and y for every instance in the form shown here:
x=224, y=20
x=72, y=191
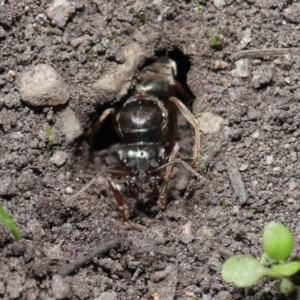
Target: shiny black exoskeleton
x=147, y=125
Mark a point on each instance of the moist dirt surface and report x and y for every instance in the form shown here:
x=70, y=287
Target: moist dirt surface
x=250, y=166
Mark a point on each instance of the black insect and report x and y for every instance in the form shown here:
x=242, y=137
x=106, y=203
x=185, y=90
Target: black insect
x=147, y=124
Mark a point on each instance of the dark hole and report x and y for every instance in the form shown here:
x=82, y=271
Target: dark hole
x=106, y=135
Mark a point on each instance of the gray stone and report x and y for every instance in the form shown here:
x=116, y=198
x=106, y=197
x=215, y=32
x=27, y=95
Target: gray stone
x=79, y=40
x=263, y=75
x=43, y=86
x=223, y=295
x=242, y=68
x=60, y=11
x=107, y=296
x=15, y=287
x=269, y=159
x=59, y=158
x=253, y=114
x=60, y=287
x=118, y=79
x=292, y=13
x=210, y=123
x=219, y=3
x=246, y=39
x=69, y=125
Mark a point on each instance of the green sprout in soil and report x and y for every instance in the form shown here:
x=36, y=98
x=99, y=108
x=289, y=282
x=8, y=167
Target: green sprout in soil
x=49, y=137
x=9, y=224
x=200, y=6
x=222, y=203
x=215, y=40
x=142, y=18
x=115, y=36
x=80, y=98
x=89, y=57
x=278, y=243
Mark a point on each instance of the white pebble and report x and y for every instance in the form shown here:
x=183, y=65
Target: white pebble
x=60, y=287
x=255, y=134
x=43, y=86
x=219, y=3
x=269, y=159
x=242, y=68
x=69, y=125
x=59, y=158
x=69, y=190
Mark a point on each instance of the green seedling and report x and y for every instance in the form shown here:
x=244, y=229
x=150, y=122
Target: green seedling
x=49, y=137
x=142, y=18
x=245, y=270
x=89, y=57
x=222, y=203
x=215, y=40
x=115, y=36
x=200, y=6
x=80, y=98
x=9, y=224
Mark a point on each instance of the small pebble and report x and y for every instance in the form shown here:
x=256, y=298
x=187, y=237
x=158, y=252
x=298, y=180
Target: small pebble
x=69, y=190
x=78, y=41
x=69, y=125
x=59, y=158
x=107, y=296
x=14, y=288
x=242, y=68
x=220, y=64
x=246, y=39
x=293, y=185
x=255, y=134
x=60, y=11
x=244, y=167
x=219, y=3
x=60, y=287
x=210, y=123
x=235, y=210
x=18, y=249
x=43, y=86
x=269, y=159
x=206, y=232
x=253, y=114
x=223, y=295
x=292, y=12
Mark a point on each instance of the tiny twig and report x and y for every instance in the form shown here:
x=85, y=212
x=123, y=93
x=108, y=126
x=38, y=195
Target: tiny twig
x=265, y=53
x=237, y=182
x=85, y=259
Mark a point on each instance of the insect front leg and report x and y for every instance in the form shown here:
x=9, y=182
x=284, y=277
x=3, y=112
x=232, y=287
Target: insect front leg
x=120, y=199
x=100, y=120
x=169, y=169
x=194, y=124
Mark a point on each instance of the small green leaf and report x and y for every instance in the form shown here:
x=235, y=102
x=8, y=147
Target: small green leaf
x=265, y=260
x=288, y=269
x=48, y=132
x=243, y=270
x=286, y=286
x=9, y=224
x=277, y=241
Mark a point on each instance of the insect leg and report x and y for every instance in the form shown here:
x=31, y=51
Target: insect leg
x=98, y=123
x=194, y=124
x=72, y=198
x=173, y=156
x=120, y=199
